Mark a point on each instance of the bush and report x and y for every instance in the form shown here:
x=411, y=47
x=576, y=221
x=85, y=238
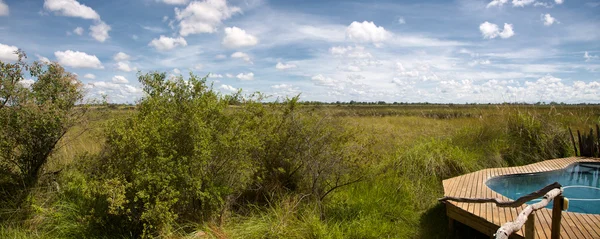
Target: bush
x=305, y=153
x=187, y=155
x=179, y=156
x=33, y=121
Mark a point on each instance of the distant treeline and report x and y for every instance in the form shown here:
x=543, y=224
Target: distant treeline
x=352, y=102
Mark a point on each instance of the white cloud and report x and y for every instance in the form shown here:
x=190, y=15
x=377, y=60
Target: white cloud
x=175, y=2
x=213, y=75
x=198, y=67
x=114, y=87
x=220, y=56
x=4, y=11
x=480, y=62
x=121, y=56
x=465, y=51
x=245, y=76
x=228, y=88
x=7, y=53
x=120, y=80
x=522, y=3
x=350, y=52
x=490, y=30
x=77, y=59
x=589, y=57
x=559, y=1
x=548, y=20
x=203, y=16
x=78, y=31
x=236, y=37
x=281, y=86
x=167, y=43
x=71, y=8
x=366, y=32
x=124, y=66
x=352, y=68
x=508, y=31
x=283, y=66
x=496, y=3
x=401, y=21
x=89, y=76
x=241, y=55
x=339, y=50
x=285, y=90
x=324, y=81
x=229, y=75
x=543, y=4
x=26, y=82
x=43, y=59
x=99, y=31
x=153, y=29
x=176, y=71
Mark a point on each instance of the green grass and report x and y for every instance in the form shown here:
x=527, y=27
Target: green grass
x=410, y=150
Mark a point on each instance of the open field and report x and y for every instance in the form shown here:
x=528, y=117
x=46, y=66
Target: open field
x=407, y=150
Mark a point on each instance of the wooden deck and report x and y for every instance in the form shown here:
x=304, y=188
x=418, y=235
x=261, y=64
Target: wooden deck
x=487, y=218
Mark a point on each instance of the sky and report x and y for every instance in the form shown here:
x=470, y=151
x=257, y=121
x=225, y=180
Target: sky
x=464, y=51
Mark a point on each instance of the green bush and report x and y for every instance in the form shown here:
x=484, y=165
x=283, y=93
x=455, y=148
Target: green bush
x=304, y=152
x=188, y=155
x=33, y=120
x=177, y=158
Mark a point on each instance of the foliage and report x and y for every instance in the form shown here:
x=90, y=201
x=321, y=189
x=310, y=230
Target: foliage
x=33, y=120
x=305, y=153
x=186, y=155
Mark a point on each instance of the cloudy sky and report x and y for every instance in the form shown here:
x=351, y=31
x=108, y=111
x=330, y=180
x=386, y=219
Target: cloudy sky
x=405, y=51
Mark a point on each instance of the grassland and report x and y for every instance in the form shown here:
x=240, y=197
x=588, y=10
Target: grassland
x=410, y=149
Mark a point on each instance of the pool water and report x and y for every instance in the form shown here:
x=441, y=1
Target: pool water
x=580, y=181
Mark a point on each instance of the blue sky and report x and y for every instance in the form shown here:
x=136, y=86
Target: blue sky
x=405, y=51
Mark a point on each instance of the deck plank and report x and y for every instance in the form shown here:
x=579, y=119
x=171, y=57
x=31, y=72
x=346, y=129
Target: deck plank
x=583, y=227
x=595, y=225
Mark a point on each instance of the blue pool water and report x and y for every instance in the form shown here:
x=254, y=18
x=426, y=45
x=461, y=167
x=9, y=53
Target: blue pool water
x=580, y=181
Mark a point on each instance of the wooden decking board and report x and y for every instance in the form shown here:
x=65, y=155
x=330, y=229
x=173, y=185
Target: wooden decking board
x=478, y=192
x=459, y=190
x=486, y=217
x=473, y=191
x=539, y=223
x=507, y=211
x=595, y=224
x=570, y=227
x=596, y=220
x=546, y=221
x=583, y=228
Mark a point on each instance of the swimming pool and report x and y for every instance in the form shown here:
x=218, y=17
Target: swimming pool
x=580, y=181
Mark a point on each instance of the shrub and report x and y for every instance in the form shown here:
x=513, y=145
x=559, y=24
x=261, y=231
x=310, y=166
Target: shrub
x=178, y=157
x=186, y=155
x=304, y=152
x=33, y=120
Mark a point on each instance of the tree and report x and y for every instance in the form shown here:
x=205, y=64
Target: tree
x=34, y=116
